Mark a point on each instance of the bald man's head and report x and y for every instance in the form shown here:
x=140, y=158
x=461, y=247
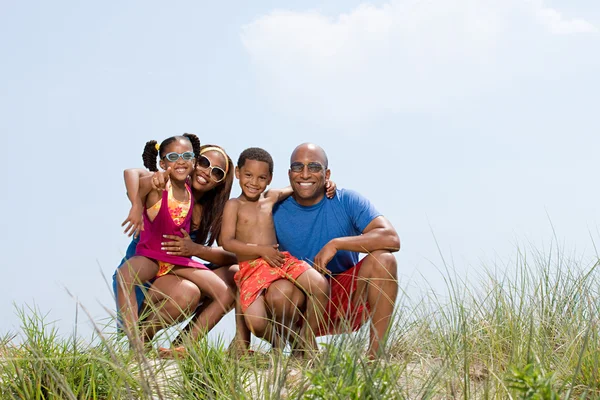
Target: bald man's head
x=313, y=149
x=308, y=173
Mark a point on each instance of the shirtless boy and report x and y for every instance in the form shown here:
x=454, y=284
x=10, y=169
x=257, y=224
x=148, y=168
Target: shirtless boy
x=248, y=231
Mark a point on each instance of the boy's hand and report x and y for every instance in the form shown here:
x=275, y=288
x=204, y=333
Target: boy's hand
x=330, y=187
x=134, y=221
x=160, y=179
x=272, y=255
x=179, y=246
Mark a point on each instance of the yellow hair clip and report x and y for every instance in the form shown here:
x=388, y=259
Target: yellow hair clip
x=157, y=146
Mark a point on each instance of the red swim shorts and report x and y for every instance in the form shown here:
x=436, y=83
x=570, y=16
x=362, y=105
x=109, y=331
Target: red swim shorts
x=257, y=275
x=343, y=314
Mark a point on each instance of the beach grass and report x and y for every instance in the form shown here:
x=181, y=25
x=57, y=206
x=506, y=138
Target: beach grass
x=525, y=330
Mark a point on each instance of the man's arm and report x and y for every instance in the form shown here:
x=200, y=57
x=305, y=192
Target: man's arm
x=379, y=234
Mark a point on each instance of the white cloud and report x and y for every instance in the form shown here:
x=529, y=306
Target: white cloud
x=404, y=55
x=557, y=24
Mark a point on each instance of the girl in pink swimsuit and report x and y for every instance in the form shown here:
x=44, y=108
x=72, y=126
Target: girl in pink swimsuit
x=167, y=212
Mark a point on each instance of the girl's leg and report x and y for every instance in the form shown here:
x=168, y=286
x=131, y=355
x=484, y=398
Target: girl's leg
x=135, y=271
x=212, y=286
x=315, y=285
x=170, y=299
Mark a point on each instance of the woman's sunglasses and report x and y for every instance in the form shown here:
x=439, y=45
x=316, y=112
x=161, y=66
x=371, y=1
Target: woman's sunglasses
x=312, y=167
x=187, y=156
x=217, y=174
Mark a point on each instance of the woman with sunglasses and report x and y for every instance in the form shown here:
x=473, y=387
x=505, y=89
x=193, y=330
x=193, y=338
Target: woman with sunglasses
x=170, y=298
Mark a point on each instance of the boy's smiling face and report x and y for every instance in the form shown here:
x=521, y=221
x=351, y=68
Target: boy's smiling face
x=254, y=177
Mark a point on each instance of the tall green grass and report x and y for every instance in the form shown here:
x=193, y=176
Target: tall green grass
x=527, y=330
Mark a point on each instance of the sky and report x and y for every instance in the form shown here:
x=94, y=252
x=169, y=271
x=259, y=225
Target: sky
x=469, y=124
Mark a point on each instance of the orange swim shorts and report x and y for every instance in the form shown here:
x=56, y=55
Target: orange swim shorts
x=257, y=275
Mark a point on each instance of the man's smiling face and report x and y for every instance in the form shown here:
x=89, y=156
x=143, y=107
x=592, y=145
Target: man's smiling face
x=308, y=174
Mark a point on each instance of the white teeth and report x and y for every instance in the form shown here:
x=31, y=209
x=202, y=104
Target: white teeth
x=201, y=179
x=306, y=184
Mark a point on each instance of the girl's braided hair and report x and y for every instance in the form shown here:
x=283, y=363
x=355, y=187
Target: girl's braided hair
x=151, y=150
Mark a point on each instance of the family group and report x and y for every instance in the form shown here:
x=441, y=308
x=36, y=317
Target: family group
x=288, y=260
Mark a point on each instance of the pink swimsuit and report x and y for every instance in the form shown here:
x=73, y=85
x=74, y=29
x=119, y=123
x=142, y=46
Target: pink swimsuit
x=151, y=236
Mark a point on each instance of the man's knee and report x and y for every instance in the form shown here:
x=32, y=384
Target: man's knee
x=313, y=282
x=381, y=264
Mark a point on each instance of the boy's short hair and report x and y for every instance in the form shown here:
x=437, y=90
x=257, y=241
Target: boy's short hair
x=255, y=154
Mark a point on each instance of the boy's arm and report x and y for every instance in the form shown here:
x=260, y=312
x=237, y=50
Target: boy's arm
x=281, y=194
x=239, y=248
x=278, y=195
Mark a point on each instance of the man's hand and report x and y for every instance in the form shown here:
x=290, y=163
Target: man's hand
x=134, y=221
x=272, y=255
x=323, y=257
x=179, y=246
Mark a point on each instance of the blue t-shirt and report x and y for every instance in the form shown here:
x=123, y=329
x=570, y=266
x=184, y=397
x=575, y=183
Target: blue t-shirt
x=303, y=231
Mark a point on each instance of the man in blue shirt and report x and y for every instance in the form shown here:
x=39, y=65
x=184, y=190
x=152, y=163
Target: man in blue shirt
x=330, y=234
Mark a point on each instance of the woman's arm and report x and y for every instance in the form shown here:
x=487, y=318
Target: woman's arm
x=186, y=247
x=132, y=184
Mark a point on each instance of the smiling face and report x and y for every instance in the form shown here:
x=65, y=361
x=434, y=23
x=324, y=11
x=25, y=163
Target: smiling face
x=254, y=177
x=309, y=187
x=181, y=168
x=202, y=179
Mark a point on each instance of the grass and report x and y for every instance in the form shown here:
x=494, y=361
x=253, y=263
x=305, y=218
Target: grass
x=529, y=331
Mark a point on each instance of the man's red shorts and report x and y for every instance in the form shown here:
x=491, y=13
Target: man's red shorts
x=343, y=314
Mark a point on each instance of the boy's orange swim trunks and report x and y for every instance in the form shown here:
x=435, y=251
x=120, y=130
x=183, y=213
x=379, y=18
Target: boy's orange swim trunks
x=257, y=275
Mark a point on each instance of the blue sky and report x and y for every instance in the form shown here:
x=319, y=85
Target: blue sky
x=474, y=120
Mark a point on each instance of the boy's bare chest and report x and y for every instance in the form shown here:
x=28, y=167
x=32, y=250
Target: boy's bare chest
x=258, y=213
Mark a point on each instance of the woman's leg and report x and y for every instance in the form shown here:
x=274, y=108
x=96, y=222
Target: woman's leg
x=137, y=270
x=214, y=287
x=170, y=299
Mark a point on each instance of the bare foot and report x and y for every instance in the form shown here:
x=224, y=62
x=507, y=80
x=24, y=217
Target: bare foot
x=174, y=352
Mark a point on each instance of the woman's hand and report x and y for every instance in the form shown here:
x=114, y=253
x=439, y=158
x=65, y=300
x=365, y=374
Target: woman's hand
x=179, y=246
x=134, y=221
